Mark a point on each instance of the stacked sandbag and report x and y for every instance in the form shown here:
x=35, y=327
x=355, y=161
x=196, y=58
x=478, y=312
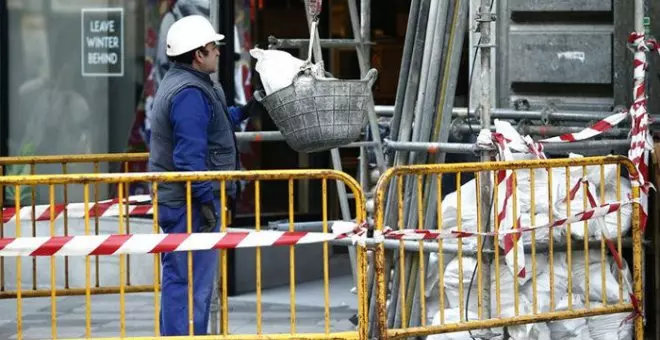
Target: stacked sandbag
x=453, y=315
x=570, y=329
x=610, y=326
x=549, y=204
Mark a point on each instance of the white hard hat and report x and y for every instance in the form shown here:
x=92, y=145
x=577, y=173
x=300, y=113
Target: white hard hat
x=190, y=33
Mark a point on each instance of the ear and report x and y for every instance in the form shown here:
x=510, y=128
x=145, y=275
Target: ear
x=198, y=56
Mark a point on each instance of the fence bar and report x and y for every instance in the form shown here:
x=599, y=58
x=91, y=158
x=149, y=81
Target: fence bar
x=544, y=131
x=277, y=43
x=467, y=148
x=506, y=113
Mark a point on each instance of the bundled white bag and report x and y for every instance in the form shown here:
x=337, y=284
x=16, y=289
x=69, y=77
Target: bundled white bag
x=559, y=284
x=524, y=185
x=611, y=220
x=468, y=213
x=451, y=316
x=432, y=283
x=593, y=172
x=453, y=282
x=577, y=205
x=595, y=277
x=507, y=300
x=609, y=326
x=276, y=68
x=540, y=234
x=570, y=329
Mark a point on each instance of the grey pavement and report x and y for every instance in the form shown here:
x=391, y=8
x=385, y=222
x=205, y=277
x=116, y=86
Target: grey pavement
x=139, y=318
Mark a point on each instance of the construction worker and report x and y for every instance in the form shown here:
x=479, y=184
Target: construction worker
x=192, y=129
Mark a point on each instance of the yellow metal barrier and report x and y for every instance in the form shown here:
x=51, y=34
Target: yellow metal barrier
x=66, y=164
x=83, y=183
x=556, y=285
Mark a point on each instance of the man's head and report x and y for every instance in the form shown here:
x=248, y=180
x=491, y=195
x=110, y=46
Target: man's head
x=192, y=40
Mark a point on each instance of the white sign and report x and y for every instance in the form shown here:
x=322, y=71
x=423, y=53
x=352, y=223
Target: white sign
x=102, y=38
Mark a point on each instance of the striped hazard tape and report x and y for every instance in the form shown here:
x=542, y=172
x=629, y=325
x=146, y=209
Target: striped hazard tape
x=88, y=245
x=641, y=141
x=592, y=131
x=139, y=205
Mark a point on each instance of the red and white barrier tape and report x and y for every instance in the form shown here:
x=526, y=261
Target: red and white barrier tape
x=592, y=131
x=153, y=243
x=139, y=205
x=425, y=234
x=504, y=139
x=235, y=238
x=641, y=142
x=527, y=145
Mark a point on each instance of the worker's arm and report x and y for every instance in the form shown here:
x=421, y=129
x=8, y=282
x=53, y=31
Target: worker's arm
x=239, y=113
x=190, y=115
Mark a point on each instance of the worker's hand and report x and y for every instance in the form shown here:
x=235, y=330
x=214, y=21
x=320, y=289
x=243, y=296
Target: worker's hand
x=253, y=108
x=209, y=217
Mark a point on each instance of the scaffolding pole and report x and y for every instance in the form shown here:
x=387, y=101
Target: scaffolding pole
x=551, y=148
x=485, y=17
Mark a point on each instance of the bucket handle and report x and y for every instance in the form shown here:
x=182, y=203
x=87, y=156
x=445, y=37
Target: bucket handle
x=371, y=77
x=311, y=41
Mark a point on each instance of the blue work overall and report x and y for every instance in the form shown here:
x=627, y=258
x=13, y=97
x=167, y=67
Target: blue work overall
x=192, y=130
x=174, y=295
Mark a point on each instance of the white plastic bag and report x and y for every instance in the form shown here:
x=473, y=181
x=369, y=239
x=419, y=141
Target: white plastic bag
x=507, y=301
x=609, y=326
x=595, y=276
x=276, y=68
x=468, y=213
x=593, y=172
x=611, y=220
x=569, y=329
x=559, y=284
x=540, y=234
x=453, y=282
x=451, y=316
x=577, y=205
x=524, y=185
x=432, y=282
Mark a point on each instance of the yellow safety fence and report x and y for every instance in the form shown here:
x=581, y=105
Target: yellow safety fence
x=66, y=164
x=467, y=283
x=323, y=327
x=448, y=284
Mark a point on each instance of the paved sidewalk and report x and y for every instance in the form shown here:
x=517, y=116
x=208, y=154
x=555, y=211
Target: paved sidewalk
x=140, y=313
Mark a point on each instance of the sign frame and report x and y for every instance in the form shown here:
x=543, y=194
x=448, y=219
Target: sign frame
x=82, y=40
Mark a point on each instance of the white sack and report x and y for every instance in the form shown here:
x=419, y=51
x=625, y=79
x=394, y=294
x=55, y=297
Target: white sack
x=468, y=213
x=577, y=205
x=451, y=316
x=559, y=284
x=593, y=171
x=524, y=186
x=595, y=277
x=571, y=329
x=507, y=302
x=540, y=234
x=453, y=282
x=468, y=210
x=432, y=282
x=277, y=69
x=611, y=220
x=609, y=326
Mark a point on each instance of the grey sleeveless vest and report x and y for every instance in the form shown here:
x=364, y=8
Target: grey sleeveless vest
x=222, y=150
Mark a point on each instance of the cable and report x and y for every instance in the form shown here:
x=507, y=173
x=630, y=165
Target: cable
x=490, y=206
x=474, y=62
x=467, y=301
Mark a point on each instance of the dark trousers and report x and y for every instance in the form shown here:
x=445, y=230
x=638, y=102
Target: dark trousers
x=174, y=294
